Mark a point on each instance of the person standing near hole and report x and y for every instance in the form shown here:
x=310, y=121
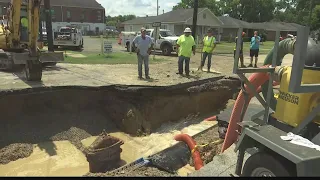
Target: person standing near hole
x=209, y=44
x=185, y=46
x=254, y=49
x=24, y=29
x=144, y=46
x=241, y=50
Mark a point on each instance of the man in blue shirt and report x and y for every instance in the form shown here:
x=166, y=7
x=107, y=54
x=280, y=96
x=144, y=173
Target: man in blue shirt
x=254, y=49
x=144, y=45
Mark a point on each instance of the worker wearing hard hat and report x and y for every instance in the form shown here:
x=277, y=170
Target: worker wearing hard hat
x=24, y=29
x=185, y=46
x=241, y=50
x=209, y=44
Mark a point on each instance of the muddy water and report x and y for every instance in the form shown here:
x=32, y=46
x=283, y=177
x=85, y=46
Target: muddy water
x=49, y=159
x=64, y=159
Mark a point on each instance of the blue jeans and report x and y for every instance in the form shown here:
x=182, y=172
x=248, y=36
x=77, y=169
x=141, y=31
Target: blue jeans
x=204, y=57
x=143, y=60
x=180, y=64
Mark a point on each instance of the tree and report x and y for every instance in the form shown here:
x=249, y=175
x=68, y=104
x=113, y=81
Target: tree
x=213, y=5
x=114, y=21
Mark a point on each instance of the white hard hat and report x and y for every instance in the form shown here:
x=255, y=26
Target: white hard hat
x=187, y=30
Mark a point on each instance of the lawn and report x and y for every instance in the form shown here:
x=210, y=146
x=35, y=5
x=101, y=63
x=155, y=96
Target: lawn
x=114, y=58
x=227, y=48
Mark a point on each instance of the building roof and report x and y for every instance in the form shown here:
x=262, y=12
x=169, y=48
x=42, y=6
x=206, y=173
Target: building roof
x=273, y=26
x=72, y=3
x=180, y=15
x=229, y=22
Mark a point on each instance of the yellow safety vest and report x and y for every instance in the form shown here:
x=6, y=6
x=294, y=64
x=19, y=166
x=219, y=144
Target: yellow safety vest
x=24, y=22
x=208, y=45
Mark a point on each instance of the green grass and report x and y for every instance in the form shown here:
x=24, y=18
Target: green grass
x=227, y=48
x=114, y=58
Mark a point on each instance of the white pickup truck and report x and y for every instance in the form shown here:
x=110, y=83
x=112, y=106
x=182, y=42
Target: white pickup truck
x=68, y=37
x=166, y=41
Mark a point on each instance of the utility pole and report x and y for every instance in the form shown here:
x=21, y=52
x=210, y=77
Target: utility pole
x=48, y=24
x=310, y=15
x=157, y=7
x=195, y=18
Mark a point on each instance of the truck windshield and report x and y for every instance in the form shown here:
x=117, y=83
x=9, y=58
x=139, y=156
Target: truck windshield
x=166, y=34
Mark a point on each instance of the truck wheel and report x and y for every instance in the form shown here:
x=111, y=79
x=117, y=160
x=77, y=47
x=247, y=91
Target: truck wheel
x=33, y=71
x=262, y=164
x=82, y=43
x=166, y=50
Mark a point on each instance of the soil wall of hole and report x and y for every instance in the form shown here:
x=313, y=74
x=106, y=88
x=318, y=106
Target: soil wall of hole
x=33, y=115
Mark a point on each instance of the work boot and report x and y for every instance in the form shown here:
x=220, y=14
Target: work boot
x=148, y=77
x=140, y=78
x=243, y=66
x=250, y=65
x=255, y=66
x=209, y=70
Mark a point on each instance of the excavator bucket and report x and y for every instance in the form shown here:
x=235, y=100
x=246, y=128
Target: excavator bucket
x=47, y=56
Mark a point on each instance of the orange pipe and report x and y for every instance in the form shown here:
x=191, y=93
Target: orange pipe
x=257, y=79
x=213, y=118
x=198, y=164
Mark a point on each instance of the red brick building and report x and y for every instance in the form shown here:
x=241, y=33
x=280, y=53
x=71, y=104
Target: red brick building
x=88, y=15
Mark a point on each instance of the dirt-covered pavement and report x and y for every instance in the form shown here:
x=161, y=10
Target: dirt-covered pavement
x=162, y=74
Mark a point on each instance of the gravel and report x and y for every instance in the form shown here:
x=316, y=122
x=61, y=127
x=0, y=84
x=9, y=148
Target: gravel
x=74, y=135
x=14, y=152
x=17, y=151
x=141, y=172
x=208, y=152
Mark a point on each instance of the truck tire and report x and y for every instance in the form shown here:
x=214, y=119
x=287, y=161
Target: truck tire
x=33, y=71
x=263, y=164
x=166, y=50
x=81, y=43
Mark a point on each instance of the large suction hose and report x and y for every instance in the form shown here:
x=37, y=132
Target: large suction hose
x=192, y=144
x=261, y=79
x=257, y=79
x=285, y=47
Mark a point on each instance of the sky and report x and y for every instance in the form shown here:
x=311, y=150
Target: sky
x=136, y=7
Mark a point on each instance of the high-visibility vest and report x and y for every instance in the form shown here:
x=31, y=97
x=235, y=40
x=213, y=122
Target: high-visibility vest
x=208, y=44
x=24, y=22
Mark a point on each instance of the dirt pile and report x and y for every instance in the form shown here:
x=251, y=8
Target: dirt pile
x=74, y=135
x=14, y=152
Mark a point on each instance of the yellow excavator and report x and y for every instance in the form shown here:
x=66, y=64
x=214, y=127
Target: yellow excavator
x=18, y=43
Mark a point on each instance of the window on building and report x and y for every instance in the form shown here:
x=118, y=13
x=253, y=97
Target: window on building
x=99, y=16
x=147, y=26
x=1, y=10
x=131, y=28
x=68, y=14
x=204, y=15
x=82, y=16
x=164, y=26
x=53, y=15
